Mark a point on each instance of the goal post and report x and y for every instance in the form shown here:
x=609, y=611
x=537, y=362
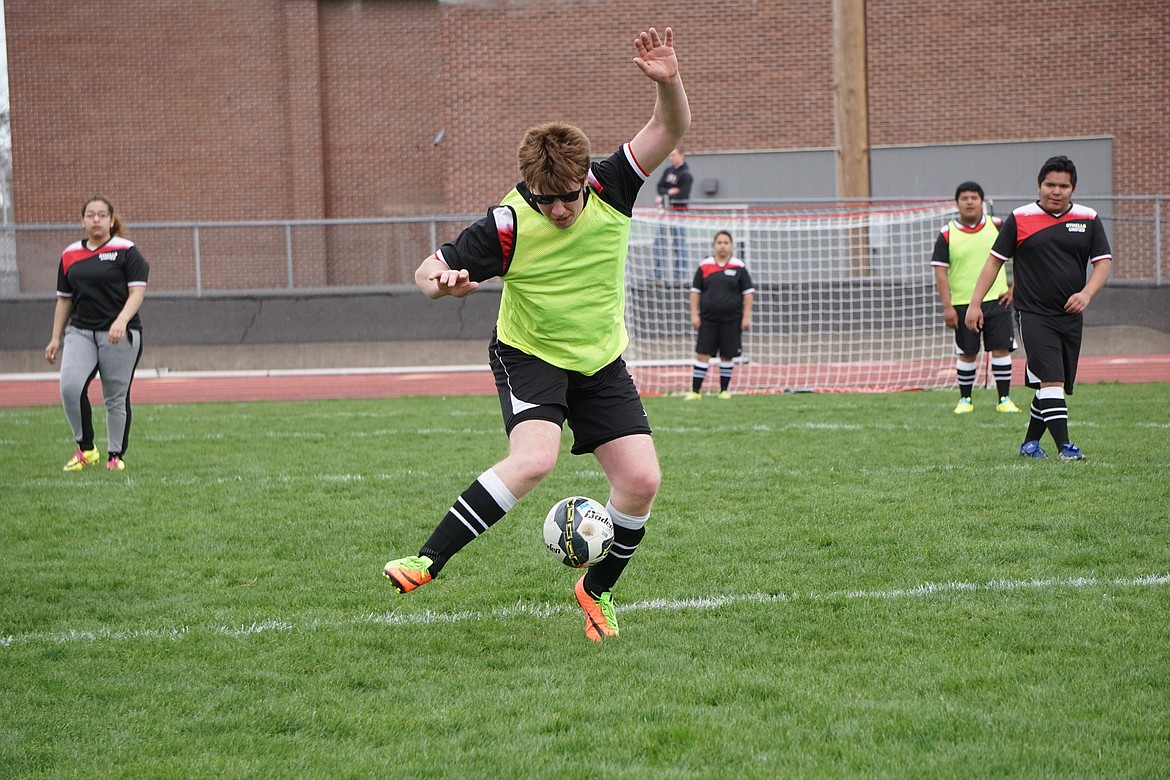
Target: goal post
x=844, y=297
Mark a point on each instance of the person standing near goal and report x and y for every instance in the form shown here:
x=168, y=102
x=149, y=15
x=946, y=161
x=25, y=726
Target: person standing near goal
x=959, y=254
x=1051, y=243
x=558, y=241
x=721, y=310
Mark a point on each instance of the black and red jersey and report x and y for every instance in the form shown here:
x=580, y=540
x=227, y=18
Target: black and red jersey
x=99, y=281
x=721, y=289
x=1050, y=254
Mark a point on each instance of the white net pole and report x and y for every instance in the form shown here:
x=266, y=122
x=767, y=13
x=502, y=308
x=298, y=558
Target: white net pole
x=844, y=300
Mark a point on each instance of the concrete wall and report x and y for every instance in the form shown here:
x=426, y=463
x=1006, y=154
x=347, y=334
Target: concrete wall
x=1007, y=171
x=399, y=327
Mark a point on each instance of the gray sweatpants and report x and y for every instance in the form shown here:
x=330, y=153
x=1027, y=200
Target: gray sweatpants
x=85, y=354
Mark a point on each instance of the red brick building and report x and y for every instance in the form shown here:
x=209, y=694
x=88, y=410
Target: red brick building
x=277, y=109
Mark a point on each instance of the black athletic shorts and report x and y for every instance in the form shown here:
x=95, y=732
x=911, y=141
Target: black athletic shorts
x=997, y=330
x=1053, y=346
x=722, y=338
x=598, y=408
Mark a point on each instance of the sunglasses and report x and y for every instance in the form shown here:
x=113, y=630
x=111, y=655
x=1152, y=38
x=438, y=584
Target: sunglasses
x=564, y=197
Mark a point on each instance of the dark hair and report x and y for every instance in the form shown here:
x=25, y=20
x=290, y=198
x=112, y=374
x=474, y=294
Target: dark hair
x=969, y=186
x=116, y=226
x=724, y=233
x=1059, y=164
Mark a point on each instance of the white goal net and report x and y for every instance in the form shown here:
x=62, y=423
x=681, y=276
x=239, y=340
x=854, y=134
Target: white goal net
x=844, y=297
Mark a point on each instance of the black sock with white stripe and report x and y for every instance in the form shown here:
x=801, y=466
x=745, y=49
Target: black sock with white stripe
x=965, y=372
x=1036, y=424
x=725, y=370
x=698, y=374
x=1001, y=370
x=604, y=575
x=477, y=509
x=1053, y=407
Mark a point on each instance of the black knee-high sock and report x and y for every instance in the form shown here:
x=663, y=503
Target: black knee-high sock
x=1036, y=424
x=725, y=370
x=477, y=509
x=965, y=373
x=1055, y=412
x=1001, y=369
x=698, y=374
x=604, y=575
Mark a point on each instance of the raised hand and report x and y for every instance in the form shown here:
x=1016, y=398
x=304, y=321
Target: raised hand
x=656, y=56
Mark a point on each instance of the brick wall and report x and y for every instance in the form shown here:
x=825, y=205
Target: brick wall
x=269, y=109
x=940, y=73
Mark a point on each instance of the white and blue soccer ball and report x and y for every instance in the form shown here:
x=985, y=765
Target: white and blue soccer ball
x=578, y=531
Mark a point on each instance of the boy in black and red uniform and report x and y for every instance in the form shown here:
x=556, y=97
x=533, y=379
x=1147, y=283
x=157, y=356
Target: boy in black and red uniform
x=1051, y=242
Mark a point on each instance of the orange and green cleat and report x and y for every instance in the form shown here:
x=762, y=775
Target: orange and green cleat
x=406, y=574
x=600, y=620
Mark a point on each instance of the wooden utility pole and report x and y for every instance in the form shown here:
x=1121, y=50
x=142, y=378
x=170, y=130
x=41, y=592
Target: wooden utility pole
x=850, y=90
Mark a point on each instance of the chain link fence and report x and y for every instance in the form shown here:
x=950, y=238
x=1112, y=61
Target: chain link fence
x=216, y=258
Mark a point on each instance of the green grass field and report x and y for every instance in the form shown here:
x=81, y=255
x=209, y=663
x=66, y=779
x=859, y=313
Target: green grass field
x=832, y=586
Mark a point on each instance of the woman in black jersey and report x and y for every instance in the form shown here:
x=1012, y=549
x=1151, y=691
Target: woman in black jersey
x=101, y=282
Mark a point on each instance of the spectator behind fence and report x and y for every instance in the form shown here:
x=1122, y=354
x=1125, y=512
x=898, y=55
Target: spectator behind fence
x=674, y=194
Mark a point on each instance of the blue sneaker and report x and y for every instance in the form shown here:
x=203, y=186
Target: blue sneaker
x=1032, y=449
x=1070, y=452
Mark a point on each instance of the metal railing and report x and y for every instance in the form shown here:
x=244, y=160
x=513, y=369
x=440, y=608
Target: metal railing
x=225, y=258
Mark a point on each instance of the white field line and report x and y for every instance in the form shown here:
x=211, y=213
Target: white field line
x=521, y=610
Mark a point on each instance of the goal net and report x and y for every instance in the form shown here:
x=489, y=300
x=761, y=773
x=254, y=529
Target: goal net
x=844, y=297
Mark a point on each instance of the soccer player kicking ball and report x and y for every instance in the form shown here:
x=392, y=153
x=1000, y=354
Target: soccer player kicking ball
x=560, y=237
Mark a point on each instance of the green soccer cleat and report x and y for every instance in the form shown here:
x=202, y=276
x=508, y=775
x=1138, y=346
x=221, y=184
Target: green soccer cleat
x=725, y=395
x=600, y=619
x=406, y=574
x=965, y=406
x=1005, y=405
x=115, y=464
x=82, y=459
x=692, y=396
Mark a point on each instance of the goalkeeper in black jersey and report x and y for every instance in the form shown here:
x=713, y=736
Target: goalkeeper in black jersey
x=721, y=310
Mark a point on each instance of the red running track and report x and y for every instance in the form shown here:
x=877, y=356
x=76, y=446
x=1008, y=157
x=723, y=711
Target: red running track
x=198, y=387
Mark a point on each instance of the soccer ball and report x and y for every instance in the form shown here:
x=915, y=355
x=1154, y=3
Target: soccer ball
x=578, y=531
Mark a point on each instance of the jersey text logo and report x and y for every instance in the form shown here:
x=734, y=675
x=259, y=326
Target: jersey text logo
x=1076, y=227
x=108, y=257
